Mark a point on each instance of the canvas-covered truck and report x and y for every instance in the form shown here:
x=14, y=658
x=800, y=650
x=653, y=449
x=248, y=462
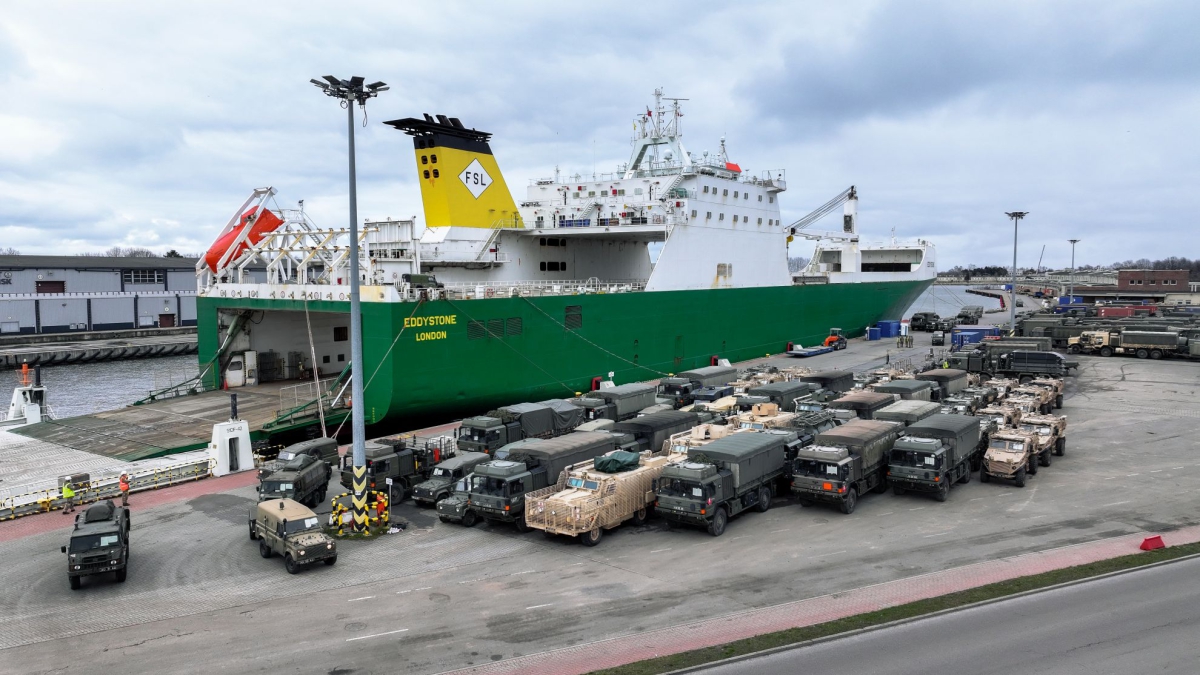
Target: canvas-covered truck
x=498, y=488
x=1010, y=455
x=444, y=476
x=616, y=403
x=651, y=430
x=934, y=454
x=919, y=390
x=844, y=463
x=864, y=404
x=499, y=427
x=1144, y=344
x=599, y=496
x=833, y=382
x=677, y=390
x=946, y=381
x=783, y=394
x=723, y=478
x=99, y=543
x=906, y=412
x=406, y=461
x=1050, y=432
x=303, y=478
x=923, y=321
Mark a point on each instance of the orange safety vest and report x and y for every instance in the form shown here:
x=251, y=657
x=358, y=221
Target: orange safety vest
x=124, y=484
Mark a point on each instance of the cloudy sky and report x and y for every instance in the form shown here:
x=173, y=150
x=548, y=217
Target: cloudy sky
x=147, y=123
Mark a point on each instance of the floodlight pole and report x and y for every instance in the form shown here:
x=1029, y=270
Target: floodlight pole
x=1012, y=311
x=1071, y=292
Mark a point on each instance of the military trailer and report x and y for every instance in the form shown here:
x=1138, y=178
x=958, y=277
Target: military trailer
x=917, y=390
x=504, y=425
x=835, y=381
x=406, y=461
x=443, y=477
x=498, y=488
x=934, y=454
x=946, y=381
x=678, y=389
x=864, y=404
x=99, y=543
x=783, y=394
x=302, y=478
x=651, y=430
x=906, y=412
x=617, y=403
x=287, y=528
x=844, y=463
x=588, y=500
x=723, y=478
x=1010, y=455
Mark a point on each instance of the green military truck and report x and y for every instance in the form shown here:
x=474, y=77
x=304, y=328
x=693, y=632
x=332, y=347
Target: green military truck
x=406, y=461
x=918, y=390
x=946, y=381
x=907, y=412
x=616, y=403
x=498, y=487
x=844, y=463
x=723, y=478
x=303, y=478
x=651, y=431
x=830, y=383
x=287, y=528
x=99, y=543
x=499, y=427
x=444, y=476
x=678, y=390
x=864, y=404
x=934, y=454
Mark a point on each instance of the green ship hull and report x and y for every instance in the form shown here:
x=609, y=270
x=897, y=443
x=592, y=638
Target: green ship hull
x=462, y=357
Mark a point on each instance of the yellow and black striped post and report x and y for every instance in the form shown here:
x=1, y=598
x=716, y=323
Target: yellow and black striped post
x=359, y=499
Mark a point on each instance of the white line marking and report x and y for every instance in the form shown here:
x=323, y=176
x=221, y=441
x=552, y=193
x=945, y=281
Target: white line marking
x=1156, y=471
x=887, y=514
x=364, y=637
x=917, y=509
x=786, y=529
x=1176, y=468
x=974, y=499
x=824, y=554
x=414, y=590
x=517, y=574
x=368, y=597
x=1131, y=475
x=540, y=606
x=1117, y=503
x=939, y=534
x=574, y=564
x=660, y=550
x=1110, y=478
x=1035, y=517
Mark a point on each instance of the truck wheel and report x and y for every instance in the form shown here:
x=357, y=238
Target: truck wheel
x=1156, y=353
x=76, y=582
x=1060, y=446
x=321, y=496
x=1073, y=349
x=897, y=490
x=522, y=526
x=881, y=487
x=444, y=519
x=850, y=501
x=1142, y=353
x=121, y=573
x=592, y=537
x=1019, y=479
x=942, y=492
x=1025, y=379
x=1106, y=351
x=983, y=476
x=641, y=515
x=263, y=549
x=1044, y=457
x=966, y=477
x=764, y=499
x=1032, y=466
x=469, y=519
x=253, y=537
x=805, y=502
x=1058, y=401
x=716, y=527
x=290, y=564
x=331, y=560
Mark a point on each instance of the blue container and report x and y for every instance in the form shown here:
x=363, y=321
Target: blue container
x=888, y=329
x=873, y=333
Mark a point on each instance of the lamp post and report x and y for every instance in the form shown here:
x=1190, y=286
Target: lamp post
x=1012, y=311
x=1071, y=293
x=347, y=92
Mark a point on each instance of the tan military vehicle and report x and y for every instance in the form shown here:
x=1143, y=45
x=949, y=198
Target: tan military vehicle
x=1003, y=386
x=287, y=528
x=1043, y=396
x=1051, y=432
x=1054, y=385
x=702, y=434
x=598, y=495
x=1004, y=416
x=1010, y=455
x=762, y=416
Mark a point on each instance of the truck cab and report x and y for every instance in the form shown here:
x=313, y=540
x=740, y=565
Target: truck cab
x=484, y=434
x=1010, y=455
x=99, y=543
x=445, y=475
x=303, y=478
x=498, y=490
x=677, y=391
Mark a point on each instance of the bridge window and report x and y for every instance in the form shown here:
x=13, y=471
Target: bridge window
x=425, y=173
x=433, y=159
x=745, y=195
x=693, y=213
x=424, y=159
x=705, y=189
x=726, y=193
x=637, y=191
x=435, y=173
x=722, y=217
x=760, y=221
x=591, y=193
x=771, y=199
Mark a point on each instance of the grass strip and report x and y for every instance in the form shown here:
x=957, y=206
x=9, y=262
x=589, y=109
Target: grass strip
x=791, y=636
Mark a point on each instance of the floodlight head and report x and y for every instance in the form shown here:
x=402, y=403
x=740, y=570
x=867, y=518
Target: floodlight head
x=1074, y=241
x=320, y=84
x=1016, y=215
x=357, y=81
x=375, y=85
x=332, y=80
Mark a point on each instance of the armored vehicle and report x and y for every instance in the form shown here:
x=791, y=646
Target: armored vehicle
x=1002, y=415
x=678, y=390
x=1010, y=455
x=934, y=454
x=946, y=381
x=960, y=405
x=784, y=394
x=1042, y=395
x=99, y=543
x=723, y=478
x=864, y=403
x=844, y=463
x=303, y=478
x=616, y=403
x=406, y=461
x=287, y=528
x=499, y=427
x=918, y=390
x=809, y=424
x=1054, y=385
x=498, y=488
x=701, y=434
x=762, y=416
x=1050, y=432
x=651, y=430
x=443, y=477
x=907, y=412
x=591, y=499
x=986, y=394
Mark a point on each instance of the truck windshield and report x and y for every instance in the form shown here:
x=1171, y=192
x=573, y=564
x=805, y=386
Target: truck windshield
x=1001, y=444
x=1034, y=429
x=92, y=541
x=461, y=486
x=443, y=473
x=302, y=525
x=482, y=435
x=275, y=487
x=581, y=483
x=817, y=469
x=921, y=460
x=486, y=485
x=676, y=388
x=676, y=487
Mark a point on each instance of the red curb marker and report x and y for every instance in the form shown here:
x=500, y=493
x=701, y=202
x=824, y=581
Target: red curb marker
x=1151, y=543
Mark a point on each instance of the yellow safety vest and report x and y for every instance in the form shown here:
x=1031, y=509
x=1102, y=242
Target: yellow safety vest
x=67, y=491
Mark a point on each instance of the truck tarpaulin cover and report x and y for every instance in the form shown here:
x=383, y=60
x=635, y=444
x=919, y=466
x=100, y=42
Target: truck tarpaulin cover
x=617, y=462
x=535, y=418
x=565, y=415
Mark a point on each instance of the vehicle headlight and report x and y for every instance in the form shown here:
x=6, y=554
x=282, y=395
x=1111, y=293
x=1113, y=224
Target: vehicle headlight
x=329, y=546
x=302, y=552
x=77, y=567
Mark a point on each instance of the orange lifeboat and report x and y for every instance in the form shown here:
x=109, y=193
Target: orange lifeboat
x=264, y=222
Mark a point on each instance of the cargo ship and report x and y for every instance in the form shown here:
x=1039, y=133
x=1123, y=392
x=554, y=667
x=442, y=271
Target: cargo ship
x=676, y=260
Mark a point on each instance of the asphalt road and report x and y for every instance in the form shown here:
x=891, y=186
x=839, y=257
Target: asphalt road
x=1142, y=622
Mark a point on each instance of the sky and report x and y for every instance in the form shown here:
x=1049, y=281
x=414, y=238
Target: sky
x=148, y=123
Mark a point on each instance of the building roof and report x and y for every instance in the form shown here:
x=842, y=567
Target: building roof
x=93, y=262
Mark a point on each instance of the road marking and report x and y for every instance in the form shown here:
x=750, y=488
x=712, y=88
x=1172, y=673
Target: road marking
x=1118, y=503
x=660, y=550
x=540, y=606
x=1110, y=478
x=786, y=529
x=887, y=514
x=1156, y=471
x=1175, y=468
x=974, y=499
x=939, y=534
x=517, y=574
x=364, y=637
x=1035, y=517
x=366, y=597
x=1131, y=475
x=413, y=590
x=574, y=564
x=917, y=508
x=824, y=554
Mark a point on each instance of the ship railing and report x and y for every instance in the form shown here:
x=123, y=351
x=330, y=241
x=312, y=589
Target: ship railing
x=329, y=394
x=510, y=289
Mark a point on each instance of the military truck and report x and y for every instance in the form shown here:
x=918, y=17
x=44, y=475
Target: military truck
x=918, y=390
x=864, y=404
x=324, y=449
x=907, y=412
x=946, y=381
x=677, y=390
x=616, y=403
x=406, y=461
x=1002, y=415
x=844, y=463
x=302, y=478
x=783, y=394
x=1010, y=455
x=1055, y=386
x=287, y=528
x=651, y=430
x=934, y=454
x=960, y=405
x=443, y=477
x=590, y=499
x=923, y=321
x=498, y=488
x=832, y=382
x=724, y=478
x=969, y=315
x=99, y=543
x=499, y=427
x=1050, y=432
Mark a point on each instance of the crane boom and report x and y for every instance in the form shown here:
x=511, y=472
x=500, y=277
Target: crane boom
x=823, y=210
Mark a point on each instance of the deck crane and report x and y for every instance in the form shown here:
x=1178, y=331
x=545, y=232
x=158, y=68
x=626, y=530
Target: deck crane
x=847, y=198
